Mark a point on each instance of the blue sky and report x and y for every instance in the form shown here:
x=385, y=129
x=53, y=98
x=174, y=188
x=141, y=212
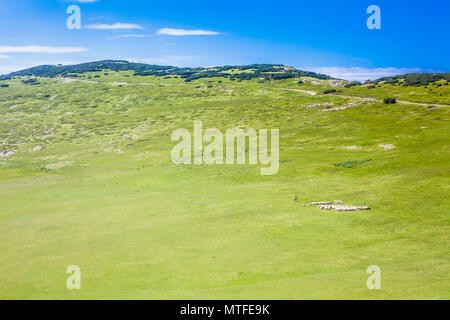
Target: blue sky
x=327, y=36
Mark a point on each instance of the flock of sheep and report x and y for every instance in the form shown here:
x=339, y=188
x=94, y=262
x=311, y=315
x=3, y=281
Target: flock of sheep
x=328, y=106
x=6, y=153
x=336, y=205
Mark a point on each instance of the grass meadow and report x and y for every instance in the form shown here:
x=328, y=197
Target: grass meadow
x=91, y=183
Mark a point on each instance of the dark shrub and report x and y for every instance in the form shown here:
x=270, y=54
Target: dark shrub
x=4, y=85
x=390, y=100
x=329, y=91
x=393, y=81
x=29, y=81
x=352, y=84
x=352, y=163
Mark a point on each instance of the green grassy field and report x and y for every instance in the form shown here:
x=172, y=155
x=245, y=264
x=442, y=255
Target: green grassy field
x=91, y=183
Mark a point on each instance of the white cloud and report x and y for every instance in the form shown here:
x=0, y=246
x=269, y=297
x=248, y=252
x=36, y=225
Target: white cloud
x=362, y=74
x=96, y=18
x=9, y=69
x=2, y=56
x=130, y=36
x=40, y=49
x=184, y=32
x=86, y=1
x=115, y=26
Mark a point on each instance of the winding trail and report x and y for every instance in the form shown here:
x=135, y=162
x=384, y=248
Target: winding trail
x=113, y=83
x=312, y=93
x=398, y=101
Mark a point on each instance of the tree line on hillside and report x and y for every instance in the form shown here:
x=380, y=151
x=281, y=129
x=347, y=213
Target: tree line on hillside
x=253, y=71
x=248, y=72
x=412, y=79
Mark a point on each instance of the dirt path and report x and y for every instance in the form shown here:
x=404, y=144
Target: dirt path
x=312, y=93
x=113, y=83
x=423, y=103
x=398, y=101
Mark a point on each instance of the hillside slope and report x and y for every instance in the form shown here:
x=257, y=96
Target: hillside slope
x=86, y=178
x=140, y=69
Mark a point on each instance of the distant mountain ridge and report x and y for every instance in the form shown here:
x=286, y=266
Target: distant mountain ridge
x=253, y=71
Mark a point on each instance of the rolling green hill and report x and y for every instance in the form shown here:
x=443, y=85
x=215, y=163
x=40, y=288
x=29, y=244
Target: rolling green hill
x=188, y=74
x=86, y=178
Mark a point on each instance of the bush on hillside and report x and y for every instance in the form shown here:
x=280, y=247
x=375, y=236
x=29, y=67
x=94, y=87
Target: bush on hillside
x=30, y=82
x=390, y=100
x=352, y=84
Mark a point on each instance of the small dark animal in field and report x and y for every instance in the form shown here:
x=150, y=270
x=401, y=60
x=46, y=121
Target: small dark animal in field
x=295, y=198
